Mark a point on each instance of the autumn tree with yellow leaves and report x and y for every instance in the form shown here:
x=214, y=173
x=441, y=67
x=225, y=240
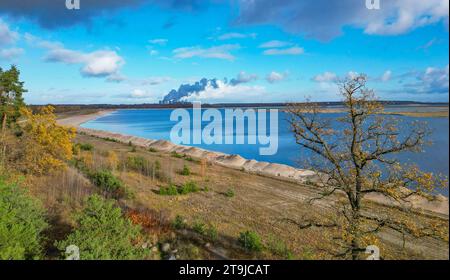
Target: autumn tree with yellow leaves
x=46, y=145
x=355, y=158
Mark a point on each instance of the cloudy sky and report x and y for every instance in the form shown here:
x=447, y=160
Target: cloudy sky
x=136, y=51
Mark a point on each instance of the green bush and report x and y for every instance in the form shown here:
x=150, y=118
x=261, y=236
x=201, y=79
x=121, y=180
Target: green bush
x=169, y=190
x=189, y=187
x=152, y=150
x=176, y=155
x=103, y=233
x=179, y=222
x=188, y=158
x=21, y=224
x=157, y=165
x=278, y=247
x=212, y=233
x=85, y=146
x=139, y=164
x=111, y=140
x=186, y=171
x=229, y=193
x=250, y=240
x=199, y=227
x=106, y=181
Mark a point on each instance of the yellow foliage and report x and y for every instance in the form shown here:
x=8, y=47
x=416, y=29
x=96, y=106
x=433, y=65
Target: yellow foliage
x=46, y=145
x=87, y=159
x=113, y=160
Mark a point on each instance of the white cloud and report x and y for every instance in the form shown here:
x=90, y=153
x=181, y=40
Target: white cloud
x=139, y=94
x=243, y=77
x=219, y=52
x=325, y=23
x=227, y=93
x=274, y=44
x=288, y=51
x=229, y=36
x=101, y=63
x=386, y=76
x=7, y=36
x=152, y=81
x=432, y=80
x=274, y=77
x=11, y=53
x=401, y=16
x=8, y=39
x=327, y=77
x=161, y=42
x=116, y=78
x=352, y=75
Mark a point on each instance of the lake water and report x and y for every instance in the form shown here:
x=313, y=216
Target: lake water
x=156, y=124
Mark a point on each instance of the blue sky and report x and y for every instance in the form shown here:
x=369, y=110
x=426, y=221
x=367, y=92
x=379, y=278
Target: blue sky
x=136, y=51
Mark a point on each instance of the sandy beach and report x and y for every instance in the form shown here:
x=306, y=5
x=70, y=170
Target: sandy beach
x=280, y=171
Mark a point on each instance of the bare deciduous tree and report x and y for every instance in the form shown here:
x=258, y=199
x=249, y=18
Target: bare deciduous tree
x=356, y=156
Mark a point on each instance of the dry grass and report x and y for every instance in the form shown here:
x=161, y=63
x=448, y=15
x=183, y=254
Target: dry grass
x=264, y=205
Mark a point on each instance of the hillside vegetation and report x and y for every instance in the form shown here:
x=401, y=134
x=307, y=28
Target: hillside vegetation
x=117, y=201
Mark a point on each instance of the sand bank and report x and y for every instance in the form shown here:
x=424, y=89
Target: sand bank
x=283, y=172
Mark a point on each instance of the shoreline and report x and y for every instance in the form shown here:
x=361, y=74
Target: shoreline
x=275, y=170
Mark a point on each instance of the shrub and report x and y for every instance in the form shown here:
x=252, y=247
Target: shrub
x=137, y=163
x=152, y=150
x=169, y=190
x=21, y=224
x=229, y=193
x=44, y=145
x=199, y=227
x=179, y=222
x=103, y=233
x=112, y=160
x=106, y=181
x=176, y=155
x=157, y=165
x=85, y=146
x=186, y=171
x=111, y=140
x=212, y=233
x=279, y=248
x=189, y=187
x=189, y=158
x=250, y=240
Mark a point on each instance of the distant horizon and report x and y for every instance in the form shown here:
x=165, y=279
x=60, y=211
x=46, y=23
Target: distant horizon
x=400, y=102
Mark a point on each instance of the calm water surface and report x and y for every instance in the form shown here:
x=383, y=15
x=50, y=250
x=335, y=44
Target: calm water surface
x=156, y=124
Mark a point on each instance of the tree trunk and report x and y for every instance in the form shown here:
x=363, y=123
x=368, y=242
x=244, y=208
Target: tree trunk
x=356, y=246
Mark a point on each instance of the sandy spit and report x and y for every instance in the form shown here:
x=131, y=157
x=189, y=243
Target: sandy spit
x=283, y=172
